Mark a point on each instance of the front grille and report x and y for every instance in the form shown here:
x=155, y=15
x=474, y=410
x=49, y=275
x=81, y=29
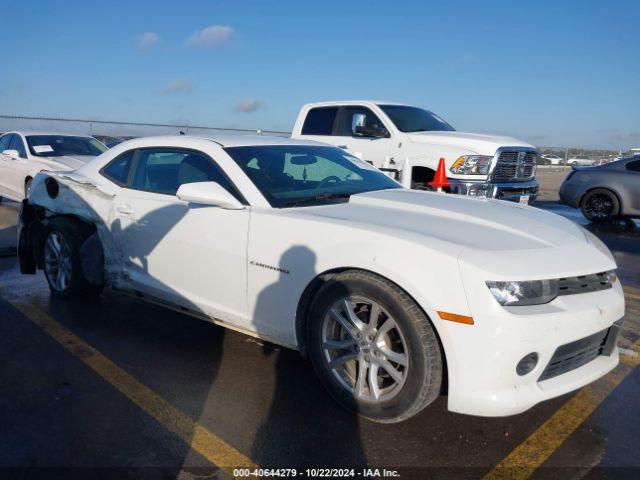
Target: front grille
x=576, y=354
x=515, y=166
x=585, y=283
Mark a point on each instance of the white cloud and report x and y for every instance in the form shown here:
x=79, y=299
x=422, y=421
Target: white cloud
x=249, y=105
x=210, y=37
x=179, y=86
x=147, y=41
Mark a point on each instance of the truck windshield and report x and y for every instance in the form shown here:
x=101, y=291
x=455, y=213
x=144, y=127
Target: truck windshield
x=61, y=145
x=301, y=175
x=414, y=119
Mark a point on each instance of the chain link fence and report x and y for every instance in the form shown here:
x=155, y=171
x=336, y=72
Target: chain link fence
x=111, y=132
x=119, y=130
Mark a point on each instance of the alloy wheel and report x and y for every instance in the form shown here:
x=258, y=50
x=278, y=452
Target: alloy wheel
x=599, y=206
x=57, y=261
x=365, y=349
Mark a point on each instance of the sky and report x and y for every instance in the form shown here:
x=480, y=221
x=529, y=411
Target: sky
x=554, y=73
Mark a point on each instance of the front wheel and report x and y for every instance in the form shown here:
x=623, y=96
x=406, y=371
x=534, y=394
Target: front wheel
x=373, y=348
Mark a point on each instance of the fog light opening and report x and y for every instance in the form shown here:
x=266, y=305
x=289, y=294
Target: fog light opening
x=527, y=364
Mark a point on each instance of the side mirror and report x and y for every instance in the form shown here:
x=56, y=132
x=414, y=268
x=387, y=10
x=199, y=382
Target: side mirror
x=11, y=153
x=208, y=193
x=358, y=120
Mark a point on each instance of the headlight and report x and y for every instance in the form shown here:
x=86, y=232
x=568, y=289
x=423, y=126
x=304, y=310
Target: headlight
x=535, y=292
x=472, y=165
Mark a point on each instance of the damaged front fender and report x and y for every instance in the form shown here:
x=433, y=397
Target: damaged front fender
x=69, y=195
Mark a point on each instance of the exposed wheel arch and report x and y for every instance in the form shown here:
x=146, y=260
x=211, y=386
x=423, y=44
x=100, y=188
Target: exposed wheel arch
x=39, y=234
x=307, y=298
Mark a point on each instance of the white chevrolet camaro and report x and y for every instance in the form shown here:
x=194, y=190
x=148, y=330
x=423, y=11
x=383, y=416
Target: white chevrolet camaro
x=392, y=293
x=24, y=154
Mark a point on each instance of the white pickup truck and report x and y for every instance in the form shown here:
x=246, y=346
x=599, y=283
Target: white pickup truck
x=407, y=143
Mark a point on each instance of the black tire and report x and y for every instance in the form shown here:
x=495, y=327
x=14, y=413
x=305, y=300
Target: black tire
x=600, y=205
x=27, y=187
x=72, y=234
x=424, y=372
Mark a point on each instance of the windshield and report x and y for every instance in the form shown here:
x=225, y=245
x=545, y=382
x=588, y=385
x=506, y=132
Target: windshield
x=60, y=145
x=295, y=175
x=414, y=119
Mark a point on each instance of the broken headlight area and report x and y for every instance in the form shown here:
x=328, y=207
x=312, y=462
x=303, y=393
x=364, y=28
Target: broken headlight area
x=538, y=292
x=535, y=292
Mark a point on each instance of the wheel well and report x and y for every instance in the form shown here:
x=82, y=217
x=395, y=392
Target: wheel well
x=421, y=175
x=613, y=192
x=308, y=296
x=40, y=231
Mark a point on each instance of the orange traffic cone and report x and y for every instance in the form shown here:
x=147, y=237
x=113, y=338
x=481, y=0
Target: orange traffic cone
x=440, y=179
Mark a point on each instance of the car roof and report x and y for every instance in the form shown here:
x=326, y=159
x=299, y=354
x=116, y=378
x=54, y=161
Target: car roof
x=227, y=140
x=351, y=102
x=27, y=133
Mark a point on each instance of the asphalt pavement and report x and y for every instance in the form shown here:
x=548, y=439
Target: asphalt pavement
x=116, y=387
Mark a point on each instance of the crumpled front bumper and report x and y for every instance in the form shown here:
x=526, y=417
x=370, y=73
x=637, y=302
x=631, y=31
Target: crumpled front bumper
x=512, y=191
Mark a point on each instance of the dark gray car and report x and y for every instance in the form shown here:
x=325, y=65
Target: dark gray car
x=604, y=192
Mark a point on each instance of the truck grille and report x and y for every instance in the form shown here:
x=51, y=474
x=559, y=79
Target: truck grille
x=515, y=166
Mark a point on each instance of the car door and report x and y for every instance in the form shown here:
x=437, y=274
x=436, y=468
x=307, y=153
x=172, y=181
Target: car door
x=193, y=256
x=369, y=148
x=18, y=167
x=5, y=161
x=631, y=182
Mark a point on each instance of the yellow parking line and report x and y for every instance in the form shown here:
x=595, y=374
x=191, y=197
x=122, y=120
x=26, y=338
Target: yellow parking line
x=539, y=446
x=203, y=441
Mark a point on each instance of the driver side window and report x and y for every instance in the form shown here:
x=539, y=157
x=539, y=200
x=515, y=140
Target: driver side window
x=18, y=144
x=5, y=140
x=359, y=117
x=163, y=170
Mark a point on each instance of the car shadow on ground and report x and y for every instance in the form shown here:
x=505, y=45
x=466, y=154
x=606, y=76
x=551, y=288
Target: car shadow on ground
x=196, y=367
x=304, y=426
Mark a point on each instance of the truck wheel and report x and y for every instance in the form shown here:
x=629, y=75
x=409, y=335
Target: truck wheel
x=373, y=348
x=600, y=205
x=62, y=264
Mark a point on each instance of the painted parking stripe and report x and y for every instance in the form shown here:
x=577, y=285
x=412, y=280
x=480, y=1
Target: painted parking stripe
x=539, y=446
x=201, y=440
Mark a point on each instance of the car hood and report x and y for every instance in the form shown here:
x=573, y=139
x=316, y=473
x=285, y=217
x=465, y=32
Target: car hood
x=66, y=162
x=477, y=143
x=462, y=222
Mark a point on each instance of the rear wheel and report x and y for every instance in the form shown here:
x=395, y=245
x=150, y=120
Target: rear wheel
x=62, y=263
x=600, y=205
x=373, y=348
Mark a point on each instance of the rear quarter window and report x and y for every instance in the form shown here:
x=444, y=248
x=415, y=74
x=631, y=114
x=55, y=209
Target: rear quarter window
x=118, y=169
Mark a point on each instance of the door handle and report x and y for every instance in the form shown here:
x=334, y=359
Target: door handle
x=124, y=209
x=344, y=147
